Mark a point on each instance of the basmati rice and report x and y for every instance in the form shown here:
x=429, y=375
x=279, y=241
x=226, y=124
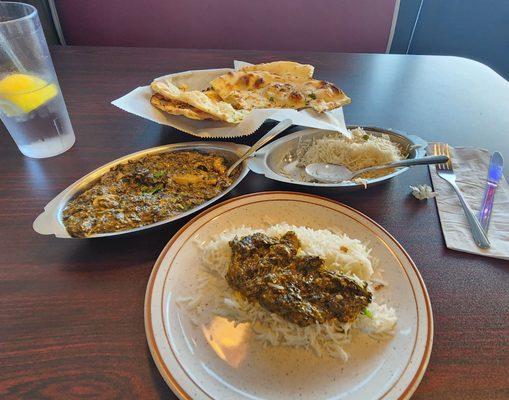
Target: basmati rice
x=361, y=151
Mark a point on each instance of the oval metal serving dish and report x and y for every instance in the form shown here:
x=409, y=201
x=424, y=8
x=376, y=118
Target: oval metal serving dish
x=50, y=221
x=271, y=159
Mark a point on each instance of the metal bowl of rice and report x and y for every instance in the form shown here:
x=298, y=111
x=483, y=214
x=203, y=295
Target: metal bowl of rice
x=284, y=160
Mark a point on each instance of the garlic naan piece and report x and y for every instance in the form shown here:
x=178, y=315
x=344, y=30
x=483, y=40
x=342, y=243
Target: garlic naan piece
x=209, y=104
x=283, y=68
x=212, y=95
x=176, y=107
x=247, y=90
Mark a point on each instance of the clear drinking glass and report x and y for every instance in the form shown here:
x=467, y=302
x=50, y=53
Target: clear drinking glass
x=31, y=104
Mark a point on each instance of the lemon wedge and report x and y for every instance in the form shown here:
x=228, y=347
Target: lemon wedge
x=25, y=92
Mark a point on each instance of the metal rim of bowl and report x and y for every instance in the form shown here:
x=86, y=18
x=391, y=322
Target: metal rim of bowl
x=50, y=221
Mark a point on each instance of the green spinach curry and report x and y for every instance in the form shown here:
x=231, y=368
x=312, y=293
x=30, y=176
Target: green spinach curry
x=144, y=191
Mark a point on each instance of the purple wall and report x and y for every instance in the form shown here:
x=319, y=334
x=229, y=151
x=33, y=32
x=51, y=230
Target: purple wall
x=321, y=25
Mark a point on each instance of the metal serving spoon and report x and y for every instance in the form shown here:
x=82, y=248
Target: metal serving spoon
x=284, y=124
x=339, y=173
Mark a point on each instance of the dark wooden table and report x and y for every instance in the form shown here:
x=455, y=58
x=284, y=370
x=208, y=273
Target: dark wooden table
x=71, y=312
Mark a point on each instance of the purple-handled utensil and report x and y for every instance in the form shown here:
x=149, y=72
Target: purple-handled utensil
x=495, y=171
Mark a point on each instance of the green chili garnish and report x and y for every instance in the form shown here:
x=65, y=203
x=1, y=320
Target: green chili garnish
x=152, y=190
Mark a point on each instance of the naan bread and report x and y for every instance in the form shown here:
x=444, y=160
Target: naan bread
x=283, y=68
x=176, y=107
x=212, y=95
x=208, y=104
x=247, y=90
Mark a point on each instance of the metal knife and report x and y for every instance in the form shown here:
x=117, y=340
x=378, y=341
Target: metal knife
x=495, y=172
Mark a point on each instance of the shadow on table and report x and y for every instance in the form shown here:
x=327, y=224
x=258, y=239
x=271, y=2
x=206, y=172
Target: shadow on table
x=117, y=252
x=159, y=384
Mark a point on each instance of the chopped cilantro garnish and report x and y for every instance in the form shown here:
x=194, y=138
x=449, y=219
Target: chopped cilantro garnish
x=152, y=190
x=367, y=313
x=158, y=174
x=366, y=137
x=313, y=96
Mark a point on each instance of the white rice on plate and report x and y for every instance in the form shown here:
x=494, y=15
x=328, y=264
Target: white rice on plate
x=340, y=253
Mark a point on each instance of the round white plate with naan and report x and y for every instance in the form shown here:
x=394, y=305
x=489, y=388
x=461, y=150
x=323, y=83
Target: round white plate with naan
x=213, y=358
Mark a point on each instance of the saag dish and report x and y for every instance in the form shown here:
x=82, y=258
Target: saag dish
x=144, y=191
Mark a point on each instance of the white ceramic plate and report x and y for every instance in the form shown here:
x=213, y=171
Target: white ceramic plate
x=218, y=361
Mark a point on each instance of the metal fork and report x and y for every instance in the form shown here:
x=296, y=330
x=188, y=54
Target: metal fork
x=446, y=172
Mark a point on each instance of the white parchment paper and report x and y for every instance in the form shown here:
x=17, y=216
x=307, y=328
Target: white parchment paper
x=138, y=102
